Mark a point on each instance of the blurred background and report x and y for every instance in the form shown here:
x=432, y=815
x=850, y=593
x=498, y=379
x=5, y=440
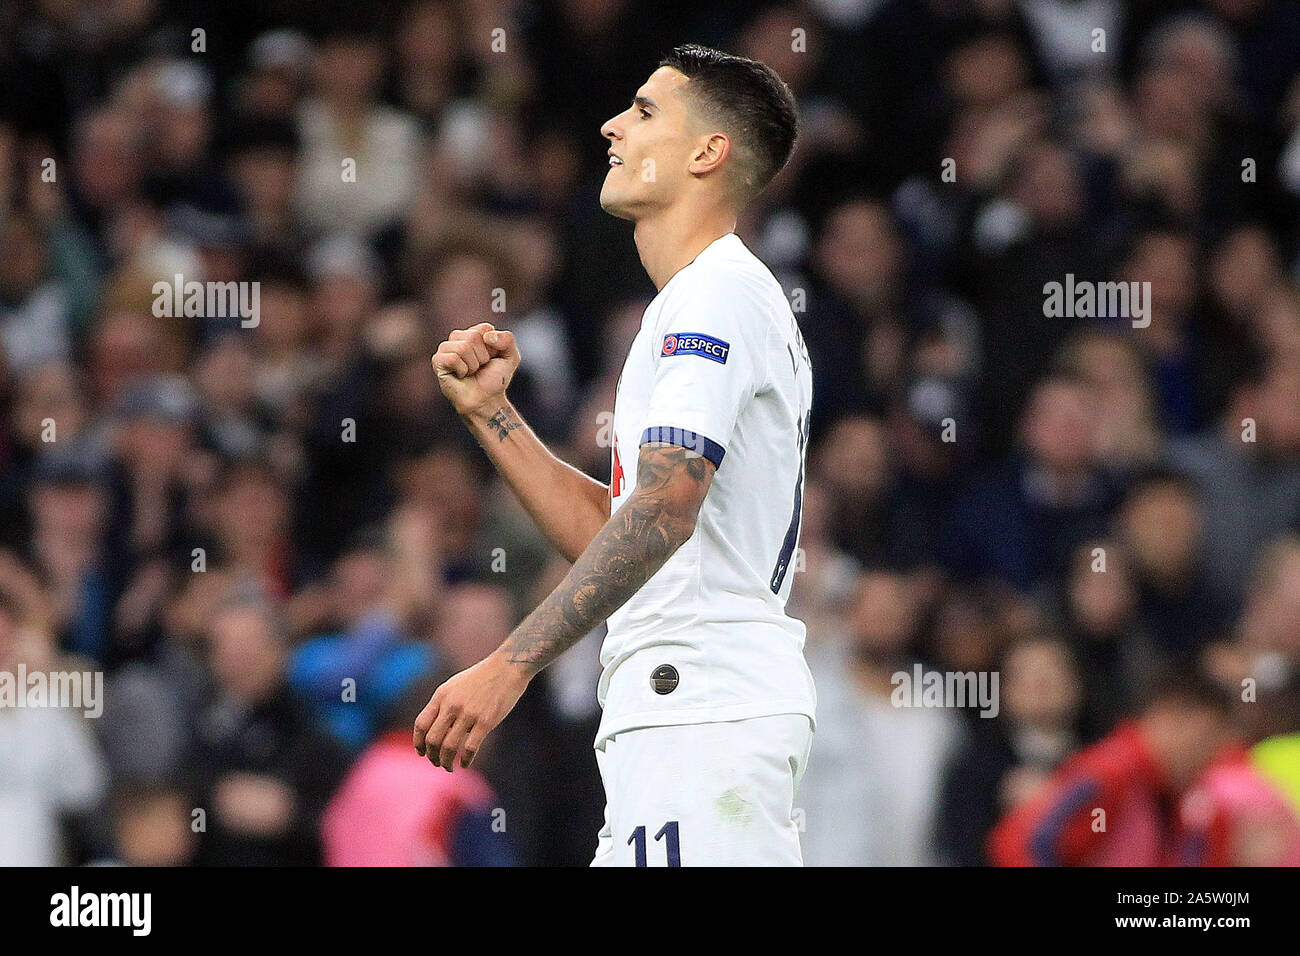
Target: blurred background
x=275, y=540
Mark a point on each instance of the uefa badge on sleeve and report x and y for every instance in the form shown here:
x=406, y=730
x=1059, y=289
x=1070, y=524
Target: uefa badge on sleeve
x=695, y=343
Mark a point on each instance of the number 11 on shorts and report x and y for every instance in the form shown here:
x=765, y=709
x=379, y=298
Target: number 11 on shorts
x=672, y=842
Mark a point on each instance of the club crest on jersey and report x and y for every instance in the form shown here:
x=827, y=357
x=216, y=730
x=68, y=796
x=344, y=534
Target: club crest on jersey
x=696, y=343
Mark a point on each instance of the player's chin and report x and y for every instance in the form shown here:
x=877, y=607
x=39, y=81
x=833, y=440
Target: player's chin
x=614, y=204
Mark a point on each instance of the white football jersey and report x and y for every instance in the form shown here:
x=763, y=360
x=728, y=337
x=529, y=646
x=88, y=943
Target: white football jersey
x=719, y=366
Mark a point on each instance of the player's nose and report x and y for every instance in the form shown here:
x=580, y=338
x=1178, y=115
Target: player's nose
x=609, y=130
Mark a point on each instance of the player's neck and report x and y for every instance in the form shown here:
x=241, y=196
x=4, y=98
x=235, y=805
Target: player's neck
x=670, y=240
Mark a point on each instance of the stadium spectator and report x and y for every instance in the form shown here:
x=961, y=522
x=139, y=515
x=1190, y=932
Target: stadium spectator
x=1161, y=527
x=262, y=768
x=1247, y=470
x=1097, y=608
x=51, y=772
x=1169, y=788
x=871, y=798
x=353, y=676
x=152, y=826
x=999, y=762
x=1020, y=523
x=393, y=809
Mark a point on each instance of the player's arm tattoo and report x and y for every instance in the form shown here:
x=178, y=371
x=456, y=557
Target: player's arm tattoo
x=656, y=520
x=504, y=421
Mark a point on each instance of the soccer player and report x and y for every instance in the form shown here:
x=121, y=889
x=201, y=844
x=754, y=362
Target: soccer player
x=687, y=553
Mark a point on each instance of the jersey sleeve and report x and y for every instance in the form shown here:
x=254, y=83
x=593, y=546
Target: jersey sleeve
x=709, y=361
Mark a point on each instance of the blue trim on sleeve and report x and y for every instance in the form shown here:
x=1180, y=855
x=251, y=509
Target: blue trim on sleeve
x=686, y=439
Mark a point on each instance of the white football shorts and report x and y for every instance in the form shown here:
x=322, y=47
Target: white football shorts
x=715, y=794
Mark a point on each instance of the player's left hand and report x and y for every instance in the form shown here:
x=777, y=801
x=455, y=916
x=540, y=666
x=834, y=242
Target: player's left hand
x=466, y=709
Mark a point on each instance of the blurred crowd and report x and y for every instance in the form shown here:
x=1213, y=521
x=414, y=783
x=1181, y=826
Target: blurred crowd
x=274, y=539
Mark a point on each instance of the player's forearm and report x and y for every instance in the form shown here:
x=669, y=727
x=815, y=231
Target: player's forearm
x=657, y=519
x=626, y=553
x=568, y=506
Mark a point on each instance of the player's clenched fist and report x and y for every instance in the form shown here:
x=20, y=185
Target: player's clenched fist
x=466, y=708
x=474, y=367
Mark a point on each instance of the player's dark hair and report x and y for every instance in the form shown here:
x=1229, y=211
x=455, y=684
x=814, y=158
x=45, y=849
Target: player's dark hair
x=753, y=104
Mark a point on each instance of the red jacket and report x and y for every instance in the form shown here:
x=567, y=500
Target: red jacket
x=1107, y=805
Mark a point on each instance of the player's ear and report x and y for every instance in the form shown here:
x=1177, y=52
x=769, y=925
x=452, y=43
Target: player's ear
x=710, y=153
